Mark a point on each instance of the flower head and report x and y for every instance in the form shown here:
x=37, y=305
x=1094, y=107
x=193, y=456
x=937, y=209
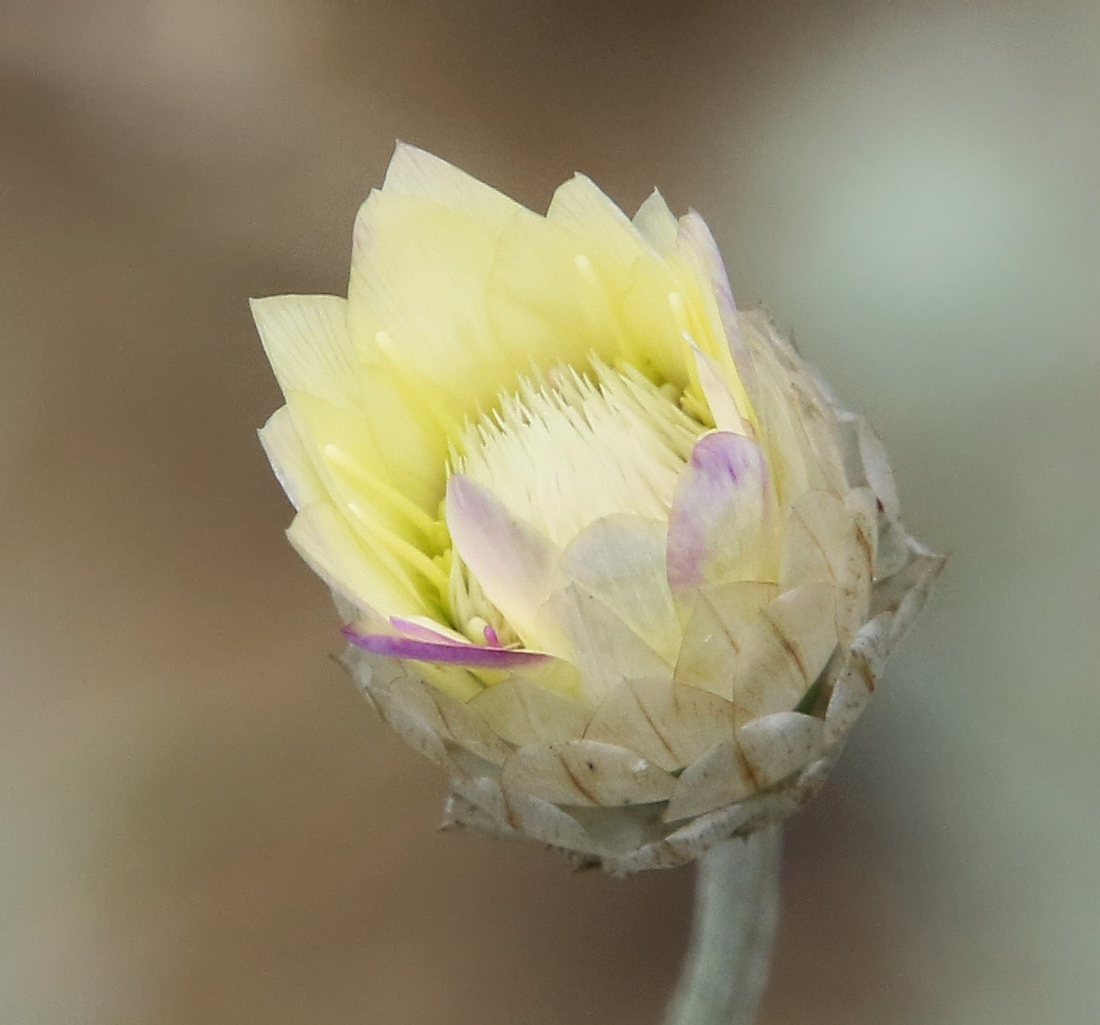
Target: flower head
x=605, y=547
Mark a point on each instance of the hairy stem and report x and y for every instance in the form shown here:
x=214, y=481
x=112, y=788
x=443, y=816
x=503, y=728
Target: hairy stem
x=736, y=911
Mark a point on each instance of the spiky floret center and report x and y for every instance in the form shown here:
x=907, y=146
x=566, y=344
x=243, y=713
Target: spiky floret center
x=564, y=450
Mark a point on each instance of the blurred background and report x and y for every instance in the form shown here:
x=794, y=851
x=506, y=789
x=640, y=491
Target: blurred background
x=201, y=822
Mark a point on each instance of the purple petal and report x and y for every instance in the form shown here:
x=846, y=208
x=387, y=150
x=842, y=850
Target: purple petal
x=511, y=560
x=439, y=635
x=450, y=652
x=716, y=528
x=423, y=633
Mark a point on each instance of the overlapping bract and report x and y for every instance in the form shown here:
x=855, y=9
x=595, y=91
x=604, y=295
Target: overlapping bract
x=605, y=547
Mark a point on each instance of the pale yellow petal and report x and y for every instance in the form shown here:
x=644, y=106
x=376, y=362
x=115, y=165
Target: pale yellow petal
x=552, y=298
x=579, y=204
x=708, y=311
x=336, y=554
x=307, y=342
x=648, y=310
x=417, y=295
x=718, y=394
x=657, y=223
x=408, y=428
x=363, y=479
x=322, y=455
x=290, y=460
x=416, y=172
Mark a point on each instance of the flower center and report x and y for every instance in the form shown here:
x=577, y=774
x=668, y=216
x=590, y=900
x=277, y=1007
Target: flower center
x=565, y=450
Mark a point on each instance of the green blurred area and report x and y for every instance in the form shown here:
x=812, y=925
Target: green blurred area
x=200, y=820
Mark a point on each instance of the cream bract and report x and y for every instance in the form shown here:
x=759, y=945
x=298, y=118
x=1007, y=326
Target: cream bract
x=605, y=547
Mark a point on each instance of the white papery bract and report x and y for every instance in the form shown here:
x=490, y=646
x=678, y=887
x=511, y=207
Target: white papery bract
x=605, y=547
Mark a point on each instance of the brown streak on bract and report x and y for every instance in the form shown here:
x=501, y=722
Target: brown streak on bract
x=577, y=783
x=865, y=543
x=789, y=648
x=817, y=542
x=653, y=726
x=722, y=626
x=866, y=673
x=746, y=768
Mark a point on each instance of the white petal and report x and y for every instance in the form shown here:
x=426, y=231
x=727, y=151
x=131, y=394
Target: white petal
x=905, y=593
x=621, y=560
x=577, y=626
x=524, y=713
x=583, y=772
x=468, y=729
x=668, y=724
x=900, y=598
x=799, y=426
x=891, y=548
x=816, y=540
x=405, y=703
x=851, y=693
x=792, y=642
x=721, y=623
x=777, y=745
x=720, y=777
x=545, y=821
x=877, y=467
x=832, y=541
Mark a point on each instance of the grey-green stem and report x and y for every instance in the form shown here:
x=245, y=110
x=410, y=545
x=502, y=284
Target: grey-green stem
x=726, y=968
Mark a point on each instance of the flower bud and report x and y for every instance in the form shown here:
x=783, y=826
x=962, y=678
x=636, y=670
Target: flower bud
x=605, y=547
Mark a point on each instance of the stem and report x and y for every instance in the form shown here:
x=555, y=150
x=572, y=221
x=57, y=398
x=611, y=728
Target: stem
x=736, y=911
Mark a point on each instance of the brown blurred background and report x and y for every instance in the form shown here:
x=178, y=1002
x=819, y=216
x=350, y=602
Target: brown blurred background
x=203, y=824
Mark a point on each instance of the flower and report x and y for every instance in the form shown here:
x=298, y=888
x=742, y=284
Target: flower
x=605, y=546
